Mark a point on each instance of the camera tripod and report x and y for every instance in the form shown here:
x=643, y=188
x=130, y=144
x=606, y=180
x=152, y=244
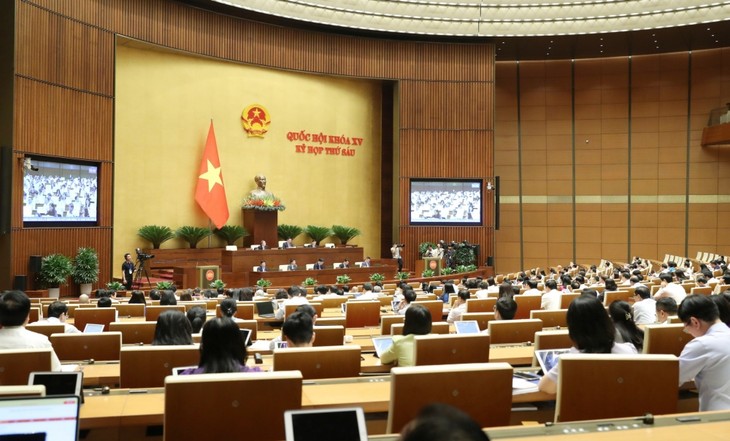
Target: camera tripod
x=140, y=271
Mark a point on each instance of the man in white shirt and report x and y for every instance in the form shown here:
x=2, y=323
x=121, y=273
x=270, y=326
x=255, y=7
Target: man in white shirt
x=459, y=307
x=296, y=297
x=482, y=293
x=644, y=309
x=368, y=293
x=532, y=288
x=705, y=358
x=14, y=312
x=58, y=314
x=670, y=289
x=551, y=299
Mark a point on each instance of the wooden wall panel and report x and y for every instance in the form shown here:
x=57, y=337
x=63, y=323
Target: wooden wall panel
x=450, y=153
x=455, y=105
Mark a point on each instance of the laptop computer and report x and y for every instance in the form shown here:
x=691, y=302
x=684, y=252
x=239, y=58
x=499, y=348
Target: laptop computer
x=92, y=328
x=59, y=383
x=381, y=344
x=177, y=370
x=467, y=327
x=265, y=309
x=50, y=418
x=246, y=335
x=547, y=358
x=345, y=424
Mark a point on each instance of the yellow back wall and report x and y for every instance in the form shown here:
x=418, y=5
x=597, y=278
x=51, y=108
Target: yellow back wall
x=164, y=102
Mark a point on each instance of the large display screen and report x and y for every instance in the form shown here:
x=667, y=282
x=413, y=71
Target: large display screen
x=60, y=193
x=446, y=202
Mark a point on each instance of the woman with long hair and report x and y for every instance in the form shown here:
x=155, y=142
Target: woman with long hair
x=403, y=350
x=591, y=331
x=173, y=328
x=626, y=329
x=222, y=349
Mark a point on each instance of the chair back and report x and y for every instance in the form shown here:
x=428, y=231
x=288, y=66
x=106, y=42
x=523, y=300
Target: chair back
x=598, y=386
x=387, y=321
x=135, y=332
x=236, y=400
x=289, y=309
x=102, y=316
x=514, y=331
x=17, y=364
x=483, y=318
x=152, y=313
x=332, y=321
x=665, y=339
x=46, y=329
x=704, y=290
x=481, y=305
x=451, y=349
x=190, y=305
x=527, y=304
x=333, y=302
x=551, y=340
x=567, y=298
x=251, y=325
x=147, y=366
x=436, y=328
x=459, y=385
x=436, y=307
x=551, y=318
x=329, y=335
x=611, y=296
x=362, y=313
x=319, y=362
x=97, y=346
x=35, y=314
x=244, y=310
x=36, y=390
x=130, y=309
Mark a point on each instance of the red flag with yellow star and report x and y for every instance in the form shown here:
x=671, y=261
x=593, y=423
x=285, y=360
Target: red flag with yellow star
x=210, y=193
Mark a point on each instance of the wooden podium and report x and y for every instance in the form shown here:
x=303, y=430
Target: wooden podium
x=261, y=225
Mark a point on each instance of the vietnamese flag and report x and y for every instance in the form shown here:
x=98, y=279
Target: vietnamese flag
x=210, y=193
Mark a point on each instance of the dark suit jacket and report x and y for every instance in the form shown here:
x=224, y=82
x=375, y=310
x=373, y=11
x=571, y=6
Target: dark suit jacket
x=319, y=266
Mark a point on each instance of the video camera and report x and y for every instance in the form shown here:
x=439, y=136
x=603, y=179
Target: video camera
x=143, y=256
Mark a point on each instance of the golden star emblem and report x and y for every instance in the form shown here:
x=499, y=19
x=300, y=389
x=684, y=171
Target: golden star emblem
x=213, y=176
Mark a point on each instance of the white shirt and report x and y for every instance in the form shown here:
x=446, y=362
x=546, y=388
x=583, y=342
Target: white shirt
x=67, y=328
x=618, y=348
x=551, y=300
x=456, y=312
x=482, y=294
x=532, y=292
x=367, y=295
x=296, y=300
x=644, y=311
x=17, y=337
x=672, y=290
x=707, y=359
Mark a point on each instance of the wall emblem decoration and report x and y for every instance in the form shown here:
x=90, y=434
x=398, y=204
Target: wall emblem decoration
x=255, y=119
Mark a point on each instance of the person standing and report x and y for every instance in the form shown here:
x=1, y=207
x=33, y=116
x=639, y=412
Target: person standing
x=127, y=271
x=396, y=252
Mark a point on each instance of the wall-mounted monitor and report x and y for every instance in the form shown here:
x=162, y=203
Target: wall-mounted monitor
x=446, y=202
x=60, y=193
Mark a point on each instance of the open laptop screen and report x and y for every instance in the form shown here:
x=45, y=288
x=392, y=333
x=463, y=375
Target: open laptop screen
x=467, y=327
x=347, y=424
x=547, y=358
x=59, y=383
x=93, y=328
x=40, y=418
x=381, y=344
x=265, y=308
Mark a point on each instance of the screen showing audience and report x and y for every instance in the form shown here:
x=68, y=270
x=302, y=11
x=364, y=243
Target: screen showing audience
x=446, y=202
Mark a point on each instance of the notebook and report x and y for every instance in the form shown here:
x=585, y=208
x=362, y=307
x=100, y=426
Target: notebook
x=345, y=424
x=265, y=309
x=92, y=328
x=547, y=358
x=40, y=418
x=59, y=383
x=382, y=344
x=467, y=327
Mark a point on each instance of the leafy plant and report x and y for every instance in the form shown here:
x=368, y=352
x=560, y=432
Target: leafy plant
x=192, y=235
x=115, y=286
x=156, y=234
x=164, y=285
x=318, y=234
x=85, y=266
x=427, y=273
x=285, y=231
x=55, y=269
x=470, y=268
x=263, y=283
x=402, y=275
x=343, y=279
x=310, y=281
x=423, y=247
x=344, y=233
x=217, y=284
x=464, y=255
x=461, y=268
x=263, y=203
x=446, y=270
x=377, y=277
x=230, y=233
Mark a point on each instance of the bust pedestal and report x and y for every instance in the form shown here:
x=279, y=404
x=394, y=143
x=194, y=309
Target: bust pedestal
x=261, y=225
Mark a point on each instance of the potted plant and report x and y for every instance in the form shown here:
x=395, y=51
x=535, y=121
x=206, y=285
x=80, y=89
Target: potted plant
x=263, y=283
x=156, y=234
x=165, y=285
x=55, y=270
x=427, y=273
x=85, y=269
x=218, y=285
x=192, y=235
x=402, y=275
x=115, y=286
x=310, y=281
x=285, y=231
x=230, y=233
x=377, y=277
x=318, y=234
x=446, y=271
x=461, y=269
x=343, y=279
x=344, y=233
